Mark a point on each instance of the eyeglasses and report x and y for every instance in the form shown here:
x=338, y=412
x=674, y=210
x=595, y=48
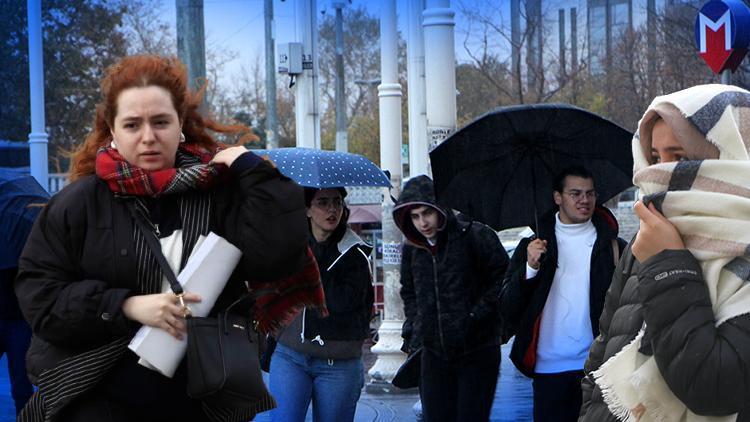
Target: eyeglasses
x=578, y=195
x=326, y=203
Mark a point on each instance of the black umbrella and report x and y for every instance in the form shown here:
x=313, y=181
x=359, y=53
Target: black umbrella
x=499, y=168
x=21, y=199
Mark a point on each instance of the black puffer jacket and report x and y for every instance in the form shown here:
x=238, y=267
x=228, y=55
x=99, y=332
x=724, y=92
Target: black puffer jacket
x=450, y=291
x=347, y=283
x=706, y=367
x=79, y=263
x=522, y=301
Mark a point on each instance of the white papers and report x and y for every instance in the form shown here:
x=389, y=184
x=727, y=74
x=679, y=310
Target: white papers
x=206, y=273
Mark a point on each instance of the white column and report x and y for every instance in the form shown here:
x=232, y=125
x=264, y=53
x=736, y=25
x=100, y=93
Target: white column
x=388, y=348
x=440, y=70
x=38, y=136
x=418, y=153
x=307, y=93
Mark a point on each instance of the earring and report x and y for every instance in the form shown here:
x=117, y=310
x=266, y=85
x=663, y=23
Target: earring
x=182, y=137
x=113, y=145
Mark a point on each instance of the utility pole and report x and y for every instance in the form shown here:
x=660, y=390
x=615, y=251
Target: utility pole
x=38, y=136
x=341, y=134
x=534, y=45
x=515, y=45
x=440, y=70
x=307, y=92
x=561, y=39
x=272, y=126
x=191, y=42
x=419, y=160
x=388, y=349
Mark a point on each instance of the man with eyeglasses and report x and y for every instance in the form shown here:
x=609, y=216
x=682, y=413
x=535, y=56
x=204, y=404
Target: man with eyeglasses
x=554, y=291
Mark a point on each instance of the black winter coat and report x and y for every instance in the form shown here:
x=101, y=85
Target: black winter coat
x=79, y=263
x=522, y=301
x=347, y=284
x=450, y=290
x=706, y=367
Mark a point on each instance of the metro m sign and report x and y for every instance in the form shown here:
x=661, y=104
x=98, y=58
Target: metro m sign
x=722, y=33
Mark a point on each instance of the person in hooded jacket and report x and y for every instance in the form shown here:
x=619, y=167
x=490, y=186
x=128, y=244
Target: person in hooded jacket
x=319, y=359
x=674, y=340
x=451, y=273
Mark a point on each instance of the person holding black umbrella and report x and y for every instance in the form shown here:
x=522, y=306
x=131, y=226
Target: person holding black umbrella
x=451, y=273
x=554, y=291
x=317, y=359
x=674, y=342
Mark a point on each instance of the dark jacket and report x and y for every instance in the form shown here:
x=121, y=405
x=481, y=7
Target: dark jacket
x=347, y=283
x=522, y=301
x=79, y=263
x=706, y=367
x=9, y=309
x=450, y=291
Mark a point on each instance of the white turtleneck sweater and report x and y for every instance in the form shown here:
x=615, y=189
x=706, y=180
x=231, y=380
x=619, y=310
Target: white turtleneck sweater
x=565, y=333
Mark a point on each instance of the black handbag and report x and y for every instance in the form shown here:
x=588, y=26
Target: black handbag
x=223, y=360
x=222, y=353
x=408, y=374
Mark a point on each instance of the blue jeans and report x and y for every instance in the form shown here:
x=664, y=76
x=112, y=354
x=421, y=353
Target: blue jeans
x=333, y=386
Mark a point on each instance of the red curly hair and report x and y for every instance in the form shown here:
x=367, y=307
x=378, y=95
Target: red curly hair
x=142, y=71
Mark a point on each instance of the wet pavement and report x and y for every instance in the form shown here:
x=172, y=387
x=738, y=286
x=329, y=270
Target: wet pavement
x=512, y=403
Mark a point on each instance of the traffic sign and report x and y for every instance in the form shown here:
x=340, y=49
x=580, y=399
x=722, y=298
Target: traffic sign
x=722, y=33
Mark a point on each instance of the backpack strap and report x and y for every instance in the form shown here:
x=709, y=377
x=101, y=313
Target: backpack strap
x=615, y=250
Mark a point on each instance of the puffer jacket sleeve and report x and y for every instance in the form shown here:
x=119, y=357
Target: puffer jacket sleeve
x=62, y=307
x=516, y=290
x=266, y=220
x=408, y=295
x=706, y=367
x=494, y=263
x=596, y=410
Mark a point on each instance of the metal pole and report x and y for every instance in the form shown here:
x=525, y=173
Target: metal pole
x=306, y=94
x=191, y=42
x=440, y=70
x=38, y=136
x=341, y=135
x=272, y=126
x=419, y=160
x=515, y=41
x=726, y=77
x=561, y=27
x=388, y=348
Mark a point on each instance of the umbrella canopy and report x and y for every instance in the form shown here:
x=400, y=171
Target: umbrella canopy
x=21, y=198
x=500, y=168
x=326, y=169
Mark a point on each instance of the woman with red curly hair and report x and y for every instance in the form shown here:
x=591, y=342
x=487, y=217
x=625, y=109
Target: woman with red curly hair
x=88, y=281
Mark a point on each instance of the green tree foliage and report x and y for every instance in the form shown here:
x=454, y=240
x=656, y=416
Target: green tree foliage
x=81, y=38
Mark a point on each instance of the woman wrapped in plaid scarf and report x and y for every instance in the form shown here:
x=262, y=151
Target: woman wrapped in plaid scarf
x=88, y=281
x=675, y=331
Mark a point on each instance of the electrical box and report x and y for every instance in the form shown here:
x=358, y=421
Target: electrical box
x=290, y=58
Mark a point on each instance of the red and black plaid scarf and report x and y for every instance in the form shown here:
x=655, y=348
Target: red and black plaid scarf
x=192, y=171
x=279, y=301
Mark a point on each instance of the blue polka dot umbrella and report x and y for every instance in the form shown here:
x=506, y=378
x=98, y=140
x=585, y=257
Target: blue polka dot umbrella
x=326, y=169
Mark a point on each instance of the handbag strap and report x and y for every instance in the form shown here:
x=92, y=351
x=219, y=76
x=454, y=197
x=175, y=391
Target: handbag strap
x=155, y=246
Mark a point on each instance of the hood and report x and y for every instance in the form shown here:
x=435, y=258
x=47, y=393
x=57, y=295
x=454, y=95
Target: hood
x=348, y=241
x=418, y=191
x=707, y=120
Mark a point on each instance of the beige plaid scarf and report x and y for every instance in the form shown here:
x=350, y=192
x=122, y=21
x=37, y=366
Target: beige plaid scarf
x=708, y=201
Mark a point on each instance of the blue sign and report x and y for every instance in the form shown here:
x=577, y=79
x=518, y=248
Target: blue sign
x=722, y=33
